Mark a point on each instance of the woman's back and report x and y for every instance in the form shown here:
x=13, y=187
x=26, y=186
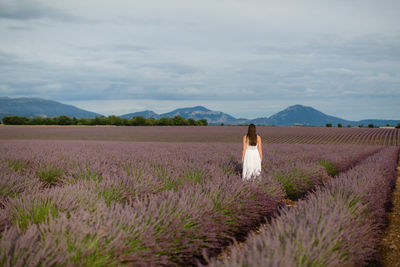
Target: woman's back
x=250, y=147
x=252, y=154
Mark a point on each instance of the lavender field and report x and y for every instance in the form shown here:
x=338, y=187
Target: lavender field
x=92, y=197
x=269, y=134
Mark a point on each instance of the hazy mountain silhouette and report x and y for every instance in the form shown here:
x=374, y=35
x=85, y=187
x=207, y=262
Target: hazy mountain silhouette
x=32, y=107
x=293, y=115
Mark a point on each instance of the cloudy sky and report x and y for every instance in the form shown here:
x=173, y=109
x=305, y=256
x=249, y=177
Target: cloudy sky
x=249, y=58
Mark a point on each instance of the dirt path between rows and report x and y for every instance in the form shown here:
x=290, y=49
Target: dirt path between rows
x=390, y=249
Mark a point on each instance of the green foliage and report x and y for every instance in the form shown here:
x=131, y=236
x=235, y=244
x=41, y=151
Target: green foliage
x=398, y=126
x=97, y=255
x=90, y=174
x=371, y=125
x=135, y=245
x=63, y=120
x=328, y=125
x=137, y=121
x=17, y=165
x=295, y=182
x=331, y=169
x=110, y=120
x=164, y=121
x=40, y=212
x=221, y=207
x=111, y=194
x=339, y=125
x=15, y=120
x=179, y=120
x=7, y=191
x=203, y=122
x=50, y=174
x=170, y=183
x=195, y=176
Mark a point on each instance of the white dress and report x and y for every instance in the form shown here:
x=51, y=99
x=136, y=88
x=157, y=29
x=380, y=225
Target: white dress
x=251, y=162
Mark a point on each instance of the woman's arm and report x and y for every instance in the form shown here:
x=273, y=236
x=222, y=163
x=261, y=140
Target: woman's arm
x=259, y=146
x=244, y=147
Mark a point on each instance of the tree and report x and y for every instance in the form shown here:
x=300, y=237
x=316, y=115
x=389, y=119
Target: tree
x=179, y=120
x=36, y=121
x=98, y=121
x=203, y=122
x=84, y=121
x=398, y=126
x=15, y=120
x=63, y=120
x=370, y=125
x=164, y=121
x=328, y=125
x=339, y=125
x=114, y=120
x=192, y=122
x=151, y=121
x=138, y=121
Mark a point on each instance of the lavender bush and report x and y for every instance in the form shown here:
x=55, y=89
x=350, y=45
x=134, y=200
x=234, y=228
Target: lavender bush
x=86, y=203
x=338, y=225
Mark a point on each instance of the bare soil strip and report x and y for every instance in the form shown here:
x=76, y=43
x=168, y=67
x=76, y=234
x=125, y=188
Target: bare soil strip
x=391, y=241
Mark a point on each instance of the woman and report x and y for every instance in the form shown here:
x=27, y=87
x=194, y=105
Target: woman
x=251, y=154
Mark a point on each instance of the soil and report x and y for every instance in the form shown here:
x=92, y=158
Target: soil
x=390, y=249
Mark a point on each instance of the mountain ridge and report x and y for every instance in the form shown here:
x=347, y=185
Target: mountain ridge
x=292, y=115
x=34, y=106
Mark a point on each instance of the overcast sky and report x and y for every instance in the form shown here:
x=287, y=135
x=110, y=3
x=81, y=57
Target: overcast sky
x=248, y=58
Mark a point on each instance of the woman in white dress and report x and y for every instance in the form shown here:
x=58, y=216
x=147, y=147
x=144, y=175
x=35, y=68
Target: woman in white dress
x=251, y=154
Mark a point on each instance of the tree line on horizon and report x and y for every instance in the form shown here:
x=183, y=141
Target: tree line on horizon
x=110, y=120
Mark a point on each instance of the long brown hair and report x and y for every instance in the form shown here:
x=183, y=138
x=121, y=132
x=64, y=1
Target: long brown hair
x=252, y=135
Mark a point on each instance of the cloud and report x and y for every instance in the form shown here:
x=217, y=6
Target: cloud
x=368, y=48
x=228, y=52
x=20, y=28
x=28, y=10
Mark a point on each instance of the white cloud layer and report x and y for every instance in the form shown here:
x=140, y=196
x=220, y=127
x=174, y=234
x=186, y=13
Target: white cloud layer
x=341, y=55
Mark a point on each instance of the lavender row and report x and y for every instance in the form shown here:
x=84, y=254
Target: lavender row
x=85, y=223
x=291, y=135
x=338, y=225
x=119, y=202
x=157, y=166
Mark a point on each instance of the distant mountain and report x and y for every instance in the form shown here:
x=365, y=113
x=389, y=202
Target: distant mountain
x=32, y=107
x=300, y=115
x=309, y=116
x=197, y=113
x=293, y=115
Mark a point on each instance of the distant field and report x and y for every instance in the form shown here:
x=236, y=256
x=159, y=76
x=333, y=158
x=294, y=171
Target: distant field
x=116, y=203
x=279, y=135
x=169, y=195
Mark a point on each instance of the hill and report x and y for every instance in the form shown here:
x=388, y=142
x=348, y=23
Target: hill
x=292, y=115
x=33, y=107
